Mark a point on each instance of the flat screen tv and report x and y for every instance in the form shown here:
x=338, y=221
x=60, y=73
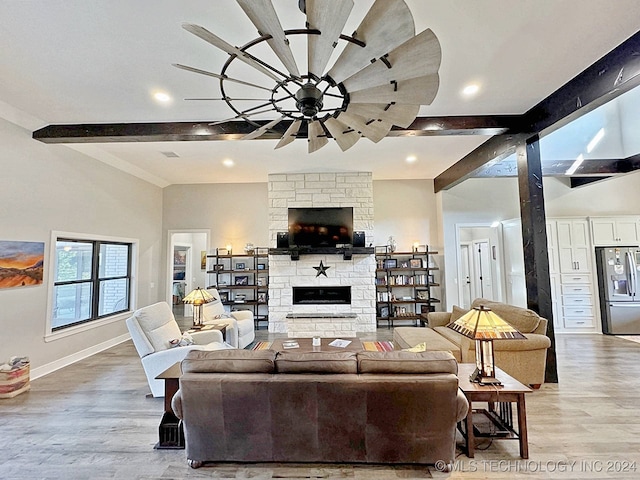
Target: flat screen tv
x=320, y=227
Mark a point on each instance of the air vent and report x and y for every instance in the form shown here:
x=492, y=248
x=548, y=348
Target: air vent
x=170, y=154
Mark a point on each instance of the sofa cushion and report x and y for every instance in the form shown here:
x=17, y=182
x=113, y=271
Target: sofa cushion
x=316, y=362
x=450, y=335
x=456, y=313
x=407, y=362
x=229, y=361
x=406, y=337
x=525, y=320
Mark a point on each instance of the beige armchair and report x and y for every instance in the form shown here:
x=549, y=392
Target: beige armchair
x=152, y=329
x=240, y=325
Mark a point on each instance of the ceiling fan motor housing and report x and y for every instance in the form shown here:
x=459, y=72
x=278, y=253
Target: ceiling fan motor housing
x=309, y=100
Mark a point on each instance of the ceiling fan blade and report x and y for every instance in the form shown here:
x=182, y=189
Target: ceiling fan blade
x=215, y=75
x=259, y=131
x=344, y=135
x=417, y=57
x=241, y=116
x=264, y=17
x=415, y=91
x=388, y=23
x=228, y=98
x=216, y=41
x=374, y=130
x=290, y=135
x=316, y=136
x=330, y=17
x=401, y=115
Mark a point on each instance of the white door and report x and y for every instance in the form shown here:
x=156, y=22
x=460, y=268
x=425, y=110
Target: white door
x=483, y=281
x=514, y=263
x=465, y=275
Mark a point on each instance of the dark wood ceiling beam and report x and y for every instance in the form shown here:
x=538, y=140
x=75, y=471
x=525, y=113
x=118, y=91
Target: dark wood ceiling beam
x=459, y=125
x=555, y=168
x=615, y=73
x=489, y=153
x=234, y=130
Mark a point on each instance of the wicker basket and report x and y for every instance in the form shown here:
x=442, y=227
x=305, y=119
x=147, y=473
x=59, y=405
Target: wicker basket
x=14, y=382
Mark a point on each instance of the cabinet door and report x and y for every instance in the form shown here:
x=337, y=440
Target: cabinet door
x=573, y=233
x=582, y=259
x=627, y=231
x=604, y=231
x=552, y=248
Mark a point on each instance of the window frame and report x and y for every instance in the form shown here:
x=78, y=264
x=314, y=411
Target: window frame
x=94, y=320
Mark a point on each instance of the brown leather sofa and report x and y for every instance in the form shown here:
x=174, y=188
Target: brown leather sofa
x=370, y=407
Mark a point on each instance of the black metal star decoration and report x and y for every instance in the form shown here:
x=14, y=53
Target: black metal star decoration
x=322, y=270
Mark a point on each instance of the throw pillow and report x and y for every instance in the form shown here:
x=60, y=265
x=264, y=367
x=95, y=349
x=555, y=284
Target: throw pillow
x=421, y=347
x=183, y=341
x=456, y=313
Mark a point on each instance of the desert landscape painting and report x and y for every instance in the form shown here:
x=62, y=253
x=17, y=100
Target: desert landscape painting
x=21, y=263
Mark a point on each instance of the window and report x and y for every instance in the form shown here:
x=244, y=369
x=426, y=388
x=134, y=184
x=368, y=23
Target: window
x=92, y=280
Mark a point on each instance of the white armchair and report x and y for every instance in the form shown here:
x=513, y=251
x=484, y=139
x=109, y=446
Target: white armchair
x=240, y=327
x=151, y=329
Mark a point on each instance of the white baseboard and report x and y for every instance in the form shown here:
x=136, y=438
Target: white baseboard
x=76, y=357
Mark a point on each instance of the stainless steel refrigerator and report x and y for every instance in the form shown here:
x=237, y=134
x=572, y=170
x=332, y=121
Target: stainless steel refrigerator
x=618, y=285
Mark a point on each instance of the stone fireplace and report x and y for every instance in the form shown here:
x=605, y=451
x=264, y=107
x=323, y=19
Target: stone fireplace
x=355, y=275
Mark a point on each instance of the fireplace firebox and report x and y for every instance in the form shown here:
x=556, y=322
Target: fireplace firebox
x=321, y=295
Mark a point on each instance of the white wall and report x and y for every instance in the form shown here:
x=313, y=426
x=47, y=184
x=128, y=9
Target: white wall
x=616, y=196
x=477, y=201
x=235, y=213
x=51, y=187
x=405, y=209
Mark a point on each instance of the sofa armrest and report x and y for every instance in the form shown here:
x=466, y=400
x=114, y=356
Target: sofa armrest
x=207, y=336
x=438, y=319
x=532, y=342
x=462, y=406
x=176, y=404
x=541, y=329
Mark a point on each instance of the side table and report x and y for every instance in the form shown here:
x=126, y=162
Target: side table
x=171, y=434
x=501, y=419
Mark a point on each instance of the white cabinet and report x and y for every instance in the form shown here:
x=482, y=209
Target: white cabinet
x=609, y=231
x=574, y=251
x=572, y=288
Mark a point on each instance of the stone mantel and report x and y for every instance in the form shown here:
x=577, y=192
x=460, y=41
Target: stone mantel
x=348, y=266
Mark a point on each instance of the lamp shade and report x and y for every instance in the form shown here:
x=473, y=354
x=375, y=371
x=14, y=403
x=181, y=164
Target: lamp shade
x=198, y=296
x=481, y=323
x=484, y=326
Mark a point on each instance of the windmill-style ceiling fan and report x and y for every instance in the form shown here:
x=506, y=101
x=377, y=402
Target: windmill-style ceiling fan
x=379, y=79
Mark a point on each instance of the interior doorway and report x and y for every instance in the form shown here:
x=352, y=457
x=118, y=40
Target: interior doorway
x=479, y=263
x=185, y=267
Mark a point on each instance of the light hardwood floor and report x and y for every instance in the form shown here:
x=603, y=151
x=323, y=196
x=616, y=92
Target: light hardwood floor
x=92, y=420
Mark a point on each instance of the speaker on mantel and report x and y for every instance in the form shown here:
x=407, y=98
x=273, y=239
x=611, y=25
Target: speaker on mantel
x=282, y=240
x=358, y=239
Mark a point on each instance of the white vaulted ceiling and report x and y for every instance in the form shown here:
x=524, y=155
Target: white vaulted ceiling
x=92, y=61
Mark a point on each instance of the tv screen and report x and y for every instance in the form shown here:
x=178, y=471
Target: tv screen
x=320, y=227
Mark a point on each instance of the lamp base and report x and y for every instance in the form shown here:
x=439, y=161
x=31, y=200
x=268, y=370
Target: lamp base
x=476, y=377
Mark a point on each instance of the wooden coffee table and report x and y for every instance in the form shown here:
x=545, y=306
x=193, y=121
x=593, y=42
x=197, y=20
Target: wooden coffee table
x=306, y=346
x=499, y=411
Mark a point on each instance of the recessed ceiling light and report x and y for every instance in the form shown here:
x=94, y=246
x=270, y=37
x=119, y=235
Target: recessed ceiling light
x=227, y=162
x=411, y=159
x=162, y=97
x=471, y=89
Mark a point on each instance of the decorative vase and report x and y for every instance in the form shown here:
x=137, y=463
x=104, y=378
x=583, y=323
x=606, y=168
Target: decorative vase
x=392, y=244
x=249, y=249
